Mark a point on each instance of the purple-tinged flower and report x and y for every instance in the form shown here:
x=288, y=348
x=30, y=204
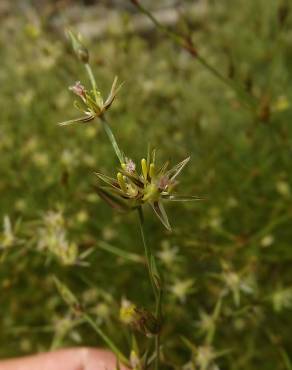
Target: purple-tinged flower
x=93, y=105
x=163, y=182
x=78, y=89
x=130, y=165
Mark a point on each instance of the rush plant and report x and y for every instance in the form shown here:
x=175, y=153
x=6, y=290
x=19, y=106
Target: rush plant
x=130, y=190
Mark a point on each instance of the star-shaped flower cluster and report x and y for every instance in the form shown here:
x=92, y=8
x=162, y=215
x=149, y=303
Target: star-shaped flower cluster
x=132, y=189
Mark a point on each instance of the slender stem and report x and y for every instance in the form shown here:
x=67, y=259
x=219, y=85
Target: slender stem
x=211, y=332
x=157, y=351
x=133, y=257
x=248, y=101
x=147, y=250
x=106, y=339
x=105, y=125
x=157, y=289
x=149, y=256
x=92, y=80
x=91, y=76
x=112, y=139
x=157, y=338
x=286, y=358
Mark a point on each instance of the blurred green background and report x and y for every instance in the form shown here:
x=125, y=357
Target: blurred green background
x=237, y=241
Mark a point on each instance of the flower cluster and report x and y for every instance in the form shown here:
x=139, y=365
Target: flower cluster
x=92, y=103
x=7, y=238
x=52, y=236
x=131, y=189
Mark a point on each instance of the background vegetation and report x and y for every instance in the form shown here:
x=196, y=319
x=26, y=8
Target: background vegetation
x=231, y=251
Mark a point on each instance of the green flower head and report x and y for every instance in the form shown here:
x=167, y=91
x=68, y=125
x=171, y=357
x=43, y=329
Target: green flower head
x=153, y=185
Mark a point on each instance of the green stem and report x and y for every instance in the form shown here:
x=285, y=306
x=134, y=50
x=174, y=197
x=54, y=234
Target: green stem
x=270, y=227
x=137, y=258
x=248, y=101
x=157, y=338
x=106, y=339
x=112, y=139
x=211, y=332
x=91, y=76
x=92, y=80
x=286, y=358
x=157, y=289
x=147, y=250
x=105, y=125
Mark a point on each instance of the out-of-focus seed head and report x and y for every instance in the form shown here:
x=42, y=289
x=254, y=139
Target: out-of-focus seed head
x=139, y=318
x=80, y=50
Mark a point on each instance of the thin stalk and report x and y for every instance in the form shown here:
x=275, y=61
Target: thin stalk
x=157, y=338
x=157, y=351
x=286, y=359
x=157, y=290
x=137, y=258
x=106, y=339
x=112, y=139
x=270, y=227
x=105, y=125
x=211, y=332
x=92, y=80
x=248, y=101
x=147, y=250
x=91, y=76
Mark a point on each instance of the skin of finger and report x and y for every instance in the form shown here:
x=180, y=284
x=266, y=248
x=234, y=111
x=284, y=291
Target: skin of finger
x=68, y=359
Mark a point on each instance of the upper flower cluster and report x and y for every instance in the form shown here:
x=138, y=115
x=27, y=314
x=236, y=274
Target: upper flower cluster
x=92, y=103
x=131, y=189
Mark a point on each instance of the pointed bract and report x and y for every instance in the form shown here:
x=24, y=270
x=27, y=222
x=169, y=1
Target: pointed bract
x=161, y=214
x=175, y=171
x=76, y=120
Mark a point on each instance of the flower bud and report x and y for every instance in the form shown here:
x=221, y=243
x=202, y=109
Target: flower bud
x=144, y=168
x=122, y=182
x=152, y=170
x=80, y=50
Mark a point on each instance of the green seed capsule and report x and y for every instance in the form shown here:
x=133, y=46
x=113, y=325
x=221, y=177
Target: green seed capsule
x=152, y=170
x=121, y=181
x=144, y=168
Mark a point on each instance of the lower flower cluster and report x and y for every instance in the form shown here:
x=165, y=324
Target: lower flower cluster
x=132, y=189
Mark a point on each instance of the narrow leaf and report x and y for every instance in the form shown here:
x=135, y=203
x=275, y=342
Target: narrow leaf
x=113, y=200
x=163, y=168
x=154, y=272
x=78, y=106
x=108, y=180
x=77, y=120
x=120, y=252
x=180, y=198
x=175, y=171
x=113, y=93
x=161, y=214
x=65, y=293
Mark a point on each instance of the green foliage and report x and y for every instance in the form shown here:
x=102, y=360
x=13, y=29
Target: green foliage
x=226, y=265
